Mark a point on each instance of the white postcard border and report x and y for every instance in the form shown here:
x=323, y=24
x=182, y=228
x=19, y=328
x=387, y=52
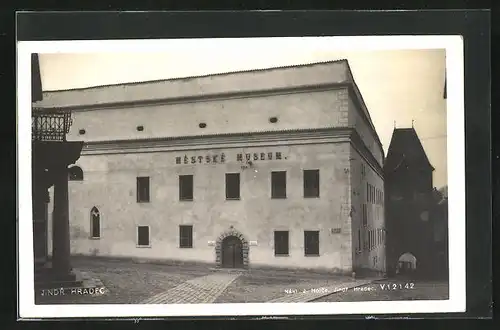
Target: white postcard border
x=456, y=171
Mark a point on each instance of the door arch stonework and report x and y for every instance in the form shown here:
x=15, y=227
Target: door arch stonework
x=218, y=246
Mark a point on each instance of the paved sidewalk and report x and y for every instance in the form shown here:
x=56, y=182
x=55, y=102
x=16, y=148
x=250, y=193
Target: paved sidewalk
x=201, y=290
x=312, y=294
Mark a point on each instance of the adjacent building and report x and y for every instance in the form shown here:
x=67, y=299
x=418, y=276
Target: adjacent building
x=417, y=218
x=276, y=167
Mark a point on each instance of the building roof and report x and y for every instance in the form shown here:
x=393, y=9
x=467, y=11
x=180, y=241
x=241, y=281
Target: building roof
x=255, y=80
x=310, y=75
x=406, y=148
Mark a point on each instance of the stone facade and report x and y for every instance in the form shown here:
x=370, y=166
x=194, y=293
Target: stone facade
x=321, y=123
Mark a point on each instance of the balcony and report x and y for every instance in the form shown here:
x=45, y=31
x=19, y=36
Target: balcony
x=50, y=124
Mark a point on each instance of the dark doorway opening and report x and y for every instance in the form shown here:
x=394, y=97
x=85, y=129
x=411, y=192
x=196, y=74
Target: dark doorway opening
x=232, y=252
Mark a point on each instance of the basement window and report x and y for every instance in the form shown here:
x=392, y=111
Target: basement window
x=143, y=236
x=311, y=243
x=281, y=243
x=81, y=131
x=202, y=125
x=273, y=120
x=186, y=236
x=140, y=128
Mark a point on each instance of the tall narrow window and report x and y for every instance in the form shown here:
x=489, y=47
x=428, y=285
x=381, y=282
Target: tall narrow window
x=95, y=223
x=311, y=243
x=359, y=240
x=311, y=183
x=143, y=236
x=278, y=184
x=232, y=185
x=186, y=236
x=143, y=189
x=369, y=240
x=281, y=243
x=365, y=215
x=367, y=192
x=185, y=187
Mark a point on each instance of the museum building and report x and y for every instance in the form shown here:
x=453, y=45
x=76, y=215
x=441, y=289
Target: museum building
x=273, y=167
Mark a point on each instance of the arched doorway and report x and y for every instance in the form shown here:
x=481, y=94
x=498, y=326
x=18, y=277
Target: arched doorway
x=231, y=249
x=407, y=264
x=232, y=252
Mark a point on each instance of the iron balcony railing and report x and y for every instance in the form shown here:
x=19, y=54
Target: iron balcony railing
x=50, y=124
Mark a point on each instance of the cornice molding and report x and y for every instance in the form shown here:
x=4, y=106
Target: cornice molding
x=236, y=140
x=218, y=141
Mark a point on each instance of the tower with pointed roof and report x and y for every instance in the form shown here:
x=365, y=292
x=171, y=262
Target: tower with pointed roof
x=410, y=201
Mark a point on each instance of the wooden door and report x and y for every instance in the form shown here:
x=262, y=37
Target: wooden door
x=232, y=252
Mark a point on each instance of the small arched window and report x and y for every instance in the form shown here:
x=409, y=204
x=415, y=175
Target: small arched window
x=75, y=173
x=95, y=223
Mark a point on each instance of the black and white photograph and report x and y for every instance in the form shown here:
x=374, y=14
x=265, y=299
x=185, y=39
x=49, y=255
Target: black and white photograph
x=250, y=176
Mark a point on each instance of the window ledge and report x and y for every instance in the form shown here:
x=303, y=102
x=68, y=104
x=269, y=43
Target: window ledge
x=284, y=197
x=186, y=200
x=143, y=202
x=312, y=197
x=282, y=255
x=143, y=246
x=311, y=255
x=95, y=238
x=233, y=199
x=185, y=247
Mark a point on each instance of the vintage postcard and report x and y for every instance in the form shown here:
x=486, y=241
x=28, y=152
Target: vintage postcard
x=258, y=176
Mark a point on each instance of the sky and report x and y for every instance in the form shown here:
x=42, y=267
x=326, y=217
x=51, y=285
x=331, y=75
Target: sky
x=398, y=86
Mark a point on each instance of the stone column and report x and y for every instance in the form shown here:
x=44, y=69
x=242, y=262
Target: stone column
x=60, y=226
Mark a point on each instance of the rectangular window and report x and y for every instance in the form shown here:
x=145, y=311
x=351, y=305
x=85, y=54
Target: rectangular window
x=143, y=189
x=311, y=183
x=143, y=236
x=365, y=215
x=281, y=243
x=186, y=236
x=185, y=187
x=278, y=184
x=232, y=185
x=365, y=239
x=369, y=240
x=367, y=192
x=359, y=240
x=311, y=243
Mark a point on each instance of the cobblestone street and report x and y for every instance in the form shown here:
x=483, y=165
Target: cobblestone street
x=127, y=282
x=200, y=290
